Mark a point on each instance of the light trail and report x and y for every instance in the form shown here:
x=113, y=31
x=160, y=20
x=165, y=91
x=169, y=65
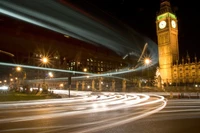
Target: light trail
x=143, y=51
x=106, y=74
x=80, y=106
x=58, y=17
x=88, y=30
x=7, y=53
x=121, y=108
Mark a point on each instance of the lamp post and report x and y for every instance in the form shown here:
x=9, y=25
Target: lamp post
x=83, y=83
x=44, y=61
x=19, y=69
x=147, y=61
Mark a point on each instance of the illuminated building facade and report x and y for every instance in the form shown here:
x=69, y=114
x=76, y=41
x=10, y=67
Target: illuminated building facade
x=167, y=35
x=172, y=69
x=186, y=72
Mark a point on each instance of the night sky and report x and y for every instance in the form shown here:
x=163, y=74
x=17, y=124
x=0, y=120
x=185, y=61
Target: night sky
x=139, y=15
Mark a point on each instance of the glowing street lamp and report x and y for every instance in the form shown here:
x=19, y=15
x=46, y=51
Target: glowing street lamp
x=147, y=61
x=85, y=69
x=61, y=85
x=50, y=74
x=20, y=72
x=45, y=60
x=18, y=68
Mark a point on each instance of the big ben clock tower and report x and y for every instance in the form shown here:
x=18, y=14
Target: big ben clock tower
x=167, y=35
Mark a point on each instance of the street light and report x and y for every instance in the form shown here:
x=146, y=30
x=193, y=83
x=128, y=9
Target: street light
x=45, y=60
x=147, y=61
x=85, y=69
x=61, y=85
x=18, y=68
x=50, y=74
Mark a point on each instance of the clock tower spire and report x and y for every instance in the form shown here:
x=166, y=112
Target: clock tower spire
x=167, y=36
x=165, y=6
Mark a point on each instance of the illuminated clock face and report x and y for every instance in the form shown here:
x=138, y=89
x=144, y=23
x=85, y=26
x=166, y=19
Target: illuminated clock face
x=173, y=23
x=162, y=24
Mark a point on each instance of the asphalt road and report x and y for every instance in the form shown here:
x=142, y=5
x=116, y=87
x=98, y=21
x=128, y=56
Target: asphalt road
x=109, y=113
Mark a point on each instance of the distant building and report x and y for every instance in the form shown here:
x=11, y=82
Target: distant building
x=96, y=65
x=186, y=72
x=85, y=63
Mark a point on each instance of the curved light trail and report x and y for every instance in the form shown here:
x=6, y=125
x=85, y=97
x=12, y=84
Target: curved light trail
x=134, y=106
x=58, y=16
x=7, y=53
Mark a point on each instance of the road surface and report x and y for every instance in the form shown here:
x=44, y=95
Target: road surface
x=103, y=112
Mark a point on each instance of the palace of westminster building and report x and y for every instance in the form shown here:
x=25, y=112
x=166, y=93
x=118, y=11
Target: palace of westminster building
x=173, y=70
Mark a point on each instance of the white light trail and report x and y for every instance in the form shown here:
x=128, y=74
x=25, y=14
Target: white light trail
x=77, y=106
x=68, y=71
x=61, y=18
x=129, y=108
